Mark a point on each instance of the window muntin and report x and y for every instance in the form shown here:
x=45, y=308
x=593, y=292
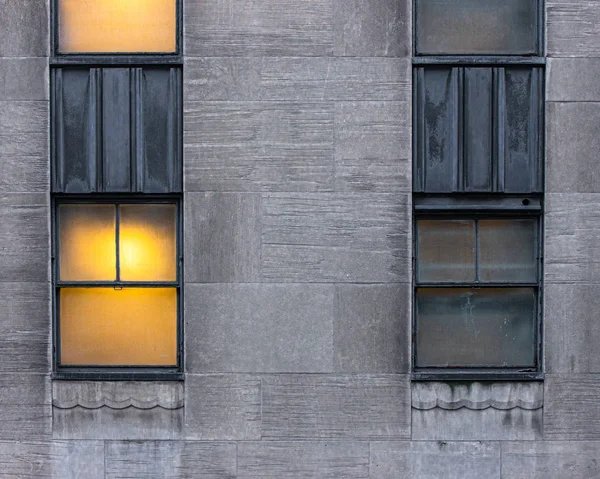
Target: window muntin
x=476, y=292
x=119, y=308
x=117, y=26
x=476, y=27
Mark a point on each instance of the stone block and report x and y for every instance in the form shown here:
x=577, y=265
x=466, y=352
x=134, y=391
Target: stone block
x=319, y=406
x=572, y=146
x=170, y=460
x=572, y=409
x=312, y=79
x=259, y=328
x=572, y=330
x=57, y=459
x=23, y=79
x=573, y=79
x=433, y=460
x=573, y=28
x=550, y=460
x=477, y=411
x=24, y=237
x=24, y=146
x=373, y=28
x=258, y=27
x=24, y=28
x=304, y=459
x=372, y=147
x=572, y=238
x=24, y=327
x=222, y=237
x=258, y=146
x=223, y=407
x=25, y=402
x=372, y=328
x=352, y=238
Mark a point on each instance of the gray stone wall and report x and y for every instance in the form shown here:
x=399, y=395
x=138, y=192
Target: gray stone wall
x=297, y=174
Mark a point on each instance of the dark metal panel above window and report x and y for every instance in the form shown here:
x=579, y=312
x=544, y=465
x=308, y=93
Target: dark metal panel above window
x=480, y=27
x=117, y=130
x=478, y=129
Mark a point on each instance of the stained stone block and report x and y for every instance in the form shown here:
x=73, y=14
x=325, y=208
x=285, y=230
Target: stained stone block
x=572, y=330
x=23, y=79
x=222, y=237
x=24, y=242
x=258, y=146
x=550, y=460
x=460, y=460
x=372, y=328
x=24, y=146
x=24, y=28
x=572, y=146
x=305, y=459
x=311, y=79
x=57, y=459
x=373, y=28
x=259, y=27
x=26, y=407
x=335, y=238
x=24, y=323
x=223, y=407
x=572, y=238
x=316, y=406
x=572, y=409
x=573, y=79
x=170, y=459
x=259, y=328
x=572, y=28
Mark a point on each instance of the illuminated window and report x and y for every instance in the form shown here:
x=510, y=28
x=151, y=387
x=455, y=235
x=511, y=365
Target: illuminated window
x=117, y=284
x=117, y=26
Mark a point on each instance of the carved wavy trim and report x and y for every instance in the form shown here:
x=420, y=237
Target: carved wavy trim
x=478, y=396
x=117, y=395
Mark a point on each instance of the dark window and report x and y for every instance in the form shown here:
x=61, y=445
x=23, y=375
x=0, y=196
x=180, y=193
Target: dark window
x=478, y=111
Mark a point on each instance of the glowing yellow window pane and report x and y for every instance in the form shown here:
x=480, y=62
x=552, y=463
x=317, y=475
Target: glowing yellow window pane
x=147, y=242
x=88, y=248
x=127, y=327
x=119, y=26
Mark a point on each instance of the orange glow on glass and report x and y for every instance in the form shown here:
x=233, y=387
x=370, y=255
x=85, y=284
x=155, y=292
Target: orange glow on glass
x=147, y=244
x=119, y=26
x=87, y=242
x=118, y=327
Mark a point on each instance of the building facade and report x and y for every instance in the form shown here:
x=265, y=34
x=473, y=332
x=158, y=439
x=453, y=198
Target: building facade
x=298, y=204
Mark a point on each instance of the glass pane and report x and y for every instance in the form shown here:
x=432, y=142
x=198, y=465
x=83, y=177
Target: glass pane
x=88, y=248
x=107, y=326
x=507, y=250
x=102, y=26
x=446, y=250
x=147, y=242
x=476, y=26
x=475, y=327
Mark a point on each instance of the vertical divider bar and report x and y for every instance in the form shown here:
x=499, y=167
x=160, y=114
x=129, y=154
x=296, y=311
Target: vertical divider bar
x=500, y=132
x=419, y=138
x=139, y=131
x=459, y=74
x=117, y=239
x=99, y=153
x=132, y=130
x=57, y=126
x=476, y=221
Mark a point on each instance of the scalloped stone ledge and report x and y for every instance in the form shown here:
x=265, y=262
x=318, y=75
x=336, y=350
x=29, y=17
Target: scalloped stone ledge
x=117, y=394
x=478, y=396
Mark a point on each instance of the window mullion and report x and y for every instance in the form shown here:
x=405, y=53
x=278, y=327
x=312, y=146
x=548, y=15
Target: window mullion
x=117, y=233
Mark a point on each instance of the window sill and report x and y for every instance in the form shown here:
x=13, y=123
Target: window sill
x=464, y=376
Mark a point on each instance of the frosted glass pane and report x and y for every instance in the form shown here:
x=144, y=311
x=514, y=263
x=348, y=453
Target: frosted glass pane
x=476, y=26
x=475, y=327
x=446, y=250
x=88, y=248
x=119, y=26
x=131, y=326
x=507, y=250
x=147, y=242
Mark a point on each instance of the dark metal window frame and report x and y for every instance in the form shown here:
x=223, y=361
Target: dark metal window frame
x=99, y=372
x=478, y=207
x=496, y=59
x=115, y=58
